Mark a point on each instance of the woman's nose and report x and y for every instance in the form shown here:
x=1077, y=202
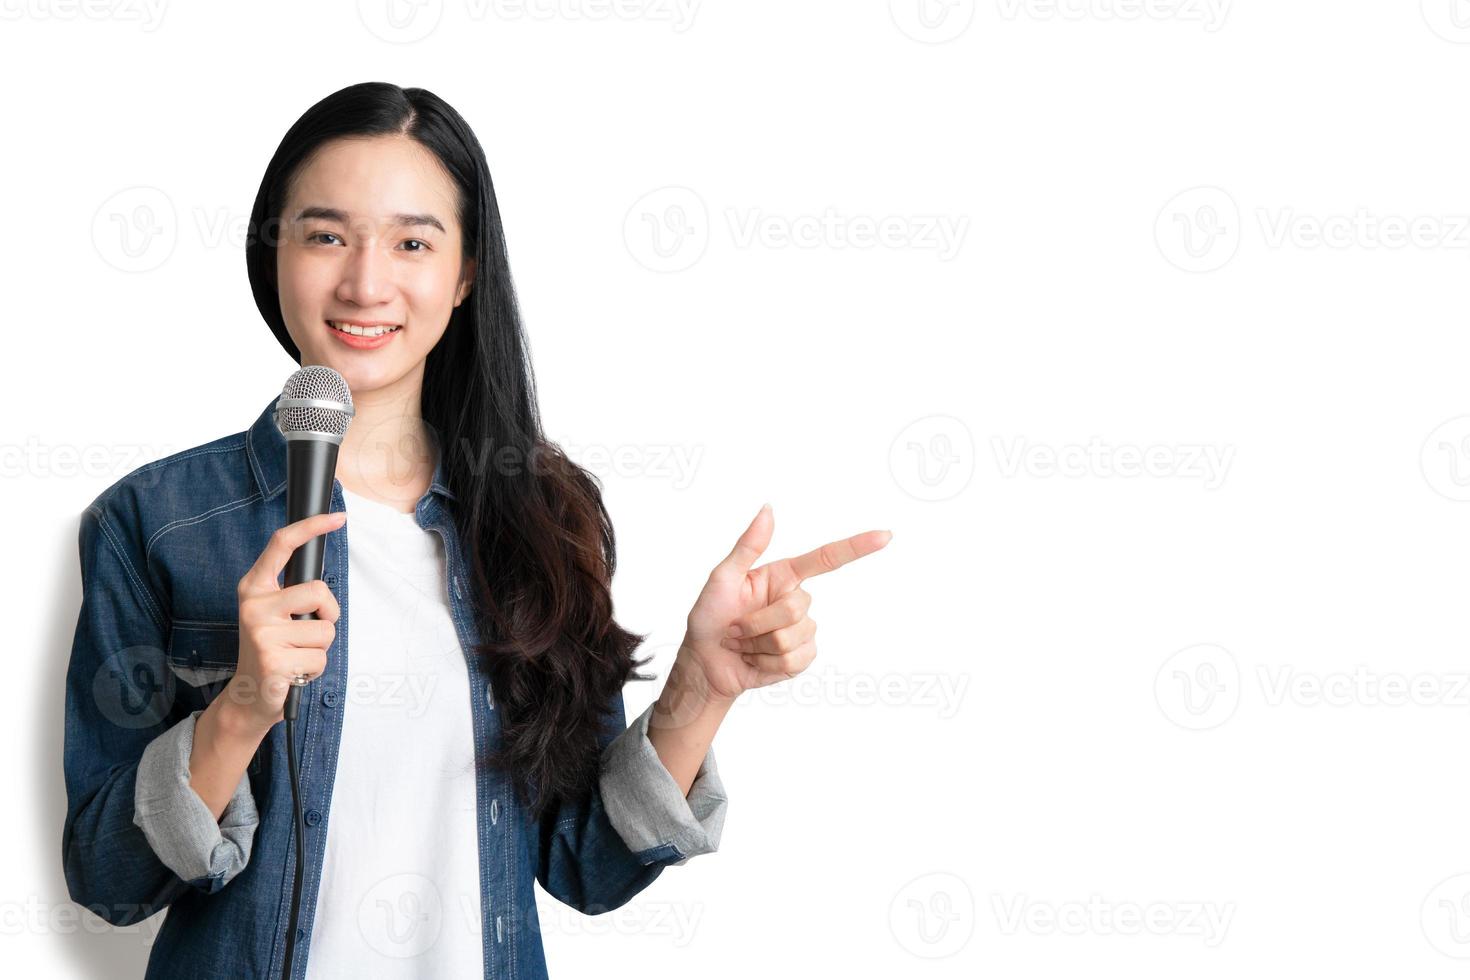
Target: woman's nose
x=365, y=277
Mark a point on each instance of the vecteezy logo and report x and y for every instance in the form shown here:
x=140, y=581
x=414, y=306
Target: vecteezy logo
x=136, y=229
x=1450, y=19
x=667, y=230
x=932, y=21
x=1198, y=687
x=134, y=688
x=1445, y=916
x=1199, y=229
x=400, y=21
x=933, y=457
x=401, y=916
x=1445, y=459
x=933, y=916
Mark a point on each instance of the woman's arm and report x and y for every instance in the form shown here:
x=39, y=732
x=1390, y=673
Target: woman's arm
x=225, y=740
x=125, y=750
x=685, y=718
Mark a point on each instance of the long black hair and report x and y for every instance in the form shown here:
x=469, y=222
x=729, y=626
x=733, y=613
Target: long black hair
x=537, y=538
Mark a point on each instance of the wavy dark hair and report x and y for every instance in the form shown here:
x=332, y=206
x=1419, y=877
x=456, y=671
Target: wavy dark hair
x=537, y=536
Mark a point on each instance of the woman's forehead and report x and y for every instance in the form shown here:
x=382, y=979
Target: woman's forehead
x=384, y=181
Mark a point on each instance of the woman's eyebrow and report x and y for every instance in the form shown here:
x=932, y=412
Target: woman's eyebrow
x=400, y=220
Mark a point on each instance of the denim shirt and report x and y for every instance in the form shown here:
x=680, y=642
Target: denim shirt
x=162, y=551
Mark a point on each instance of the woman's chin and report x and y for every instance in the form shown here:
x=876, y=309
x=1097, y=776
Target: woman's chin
x=363, y=378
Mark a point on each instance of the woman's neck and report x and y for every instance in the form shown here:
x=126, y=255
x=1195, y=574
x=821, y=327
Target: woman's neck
x=388, y=453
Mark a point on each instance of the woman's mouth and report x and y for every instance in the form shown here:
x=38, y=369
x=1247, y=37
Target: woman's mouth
x=363, y=338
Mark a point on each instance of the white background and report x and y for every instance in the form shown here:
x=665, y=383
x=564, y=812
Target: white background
x=1157, y=372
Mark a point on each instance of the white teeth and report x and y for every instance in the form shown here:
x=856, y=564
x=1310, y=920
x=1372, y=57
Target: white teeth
x=357, y=331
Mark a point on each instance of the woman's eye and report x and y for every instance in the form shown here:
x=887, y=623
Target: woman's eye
x=320, y=235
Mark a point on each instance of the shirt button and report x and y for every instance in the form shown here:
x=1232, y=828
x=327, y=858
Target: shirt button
x=330, y=580
x=300, y=935
x=330, y=699
x=313, y=817
x=494, y=812
x=499, y=930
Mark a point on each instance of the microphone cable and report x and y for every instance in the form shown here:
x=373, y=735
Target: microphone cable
x=292, y=701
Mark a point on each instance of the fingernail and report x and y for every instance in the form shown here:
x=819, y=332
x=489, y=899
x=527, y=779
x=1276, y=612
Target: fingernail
x=748, y=659
x=734, y=630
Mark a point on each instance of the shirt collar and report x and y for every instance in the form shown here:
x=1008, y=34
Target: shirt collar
x=266, y=449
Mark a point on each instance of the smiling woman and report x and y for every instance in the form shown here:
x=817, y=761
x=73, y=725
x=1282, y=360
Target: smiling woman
x=481, y=561
x=375, y=249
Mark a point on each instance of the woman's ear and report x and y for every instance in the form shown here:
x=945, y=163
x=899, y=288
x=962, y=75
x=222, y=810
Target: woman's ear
x=466, y=281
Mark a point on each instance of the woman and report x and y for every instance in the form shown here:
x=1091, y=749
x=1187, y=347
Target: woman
x=474, y=741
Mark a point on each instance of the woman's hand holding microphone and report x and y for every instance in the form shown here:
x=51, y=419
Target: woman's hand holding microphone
x=274, y=649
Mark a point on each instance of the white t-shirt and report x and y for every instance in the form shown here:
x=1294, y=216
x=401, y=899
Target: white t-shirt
x=400, y=888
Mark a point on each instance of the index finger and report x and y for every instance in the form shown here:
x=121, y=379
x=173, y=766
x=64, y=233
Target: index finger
x=835, y=554
x=283, y=543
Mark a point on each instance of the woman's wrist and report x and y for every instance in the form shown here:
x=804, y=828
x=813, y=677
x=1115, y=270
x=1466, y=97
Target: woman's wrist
x=687, y=693
x=235, y=718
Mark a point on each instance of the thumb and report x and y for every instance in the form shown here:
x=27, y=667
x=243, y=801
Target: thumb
x=754, y=541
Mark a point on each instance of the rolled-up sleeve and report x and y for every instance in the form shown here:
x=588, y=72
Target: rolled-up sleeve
x=179, y=826
x=644, y=804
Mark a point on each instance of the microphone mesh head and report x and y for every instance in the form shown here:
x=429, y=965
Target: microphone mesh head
x=330, y=415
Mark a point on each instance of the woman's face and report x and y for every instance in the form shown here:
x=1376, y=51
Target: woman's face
x=369, y=236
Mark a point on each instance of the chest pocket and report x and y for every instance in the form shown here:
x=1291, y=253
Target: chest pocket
x=203, y=654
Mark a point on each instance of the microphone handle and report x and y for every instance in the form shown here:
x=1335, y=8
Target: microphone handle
x=311, y=467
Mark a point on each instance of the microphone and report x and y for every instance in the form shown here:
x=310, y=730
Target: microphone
x=312, y=414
